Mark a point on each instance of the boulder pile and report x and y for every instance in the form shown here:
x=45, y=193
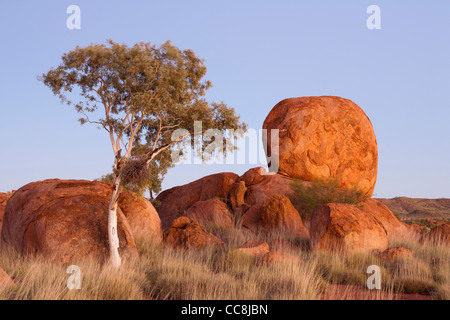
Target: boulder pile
x=319, y=138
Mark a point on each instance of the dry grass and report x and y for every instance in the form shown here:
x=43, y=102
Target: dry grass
x=354, y=292
x=427, y=273
x=37, y=279
x=175, y=274
x=163, y=273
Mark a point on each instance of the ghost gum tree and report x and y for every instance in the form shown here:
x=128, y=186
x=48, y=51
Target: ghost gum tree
x=139, y=95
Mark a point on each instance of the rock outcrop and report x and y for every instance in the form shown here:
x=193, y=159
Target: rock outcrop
x=325, y=137
x=254, y=248
x=344, y=227
x=417, y=208
x=320, y=138
x=176, y=200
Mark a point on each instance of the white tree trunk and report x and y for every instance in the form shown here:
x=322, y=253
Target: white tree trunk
x=113, y=236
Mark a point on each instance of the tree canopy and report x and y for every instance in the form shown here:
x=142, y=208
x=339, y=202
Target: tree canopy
x=143, y=93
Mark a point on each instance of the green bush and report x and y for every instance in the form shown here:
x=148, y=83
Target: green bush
x=309, y=196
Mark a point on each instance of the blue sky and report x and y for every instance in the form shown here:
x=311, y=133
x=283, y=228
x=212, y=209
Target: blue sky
x=257, y=53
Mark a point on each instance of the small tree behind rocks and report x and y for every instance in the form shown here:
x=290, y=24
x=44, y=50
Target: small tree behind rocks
x=308, y=196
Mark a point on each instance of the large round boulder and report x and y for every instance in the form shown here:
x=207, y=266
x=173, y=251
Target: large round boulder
x=66, y=220
x=345, y=228
x=322, y=138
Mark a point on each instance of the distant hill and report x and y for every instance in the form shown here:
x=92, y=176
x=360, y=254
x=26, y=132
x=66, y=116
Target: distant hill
x=416, y=208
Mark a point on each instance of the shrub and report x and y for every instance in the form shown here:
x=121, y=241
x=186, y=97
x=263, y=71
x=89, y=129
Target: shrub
x=309, y=196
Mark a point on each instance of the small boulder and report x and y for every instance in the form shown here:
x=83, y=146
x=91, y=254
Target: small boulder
x=237, y=195
x=277, y=214
x=254, y=248
x=210, y=212
x=439, y=235
x=392, y=254
x=344, y=227
x=187, y=234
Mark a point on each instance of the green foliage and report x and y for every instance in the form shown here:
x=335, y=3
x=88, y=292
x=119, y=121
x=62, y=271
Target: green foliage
x=309, y=196
x=140, y=95
x=108, y=178
x=424, y=222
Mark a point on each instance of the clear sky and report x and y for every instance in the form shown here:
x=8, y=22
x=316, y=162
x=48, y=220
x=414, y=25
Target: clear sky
x=257, y=53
